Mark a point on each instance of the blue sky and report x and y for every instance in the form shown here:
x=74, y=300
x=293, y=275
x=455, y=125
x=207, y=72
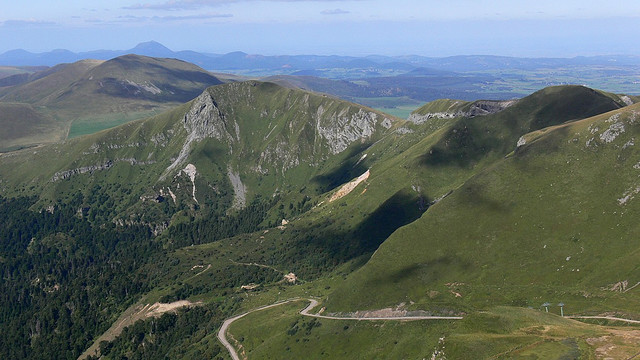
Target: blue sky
x=346, y=27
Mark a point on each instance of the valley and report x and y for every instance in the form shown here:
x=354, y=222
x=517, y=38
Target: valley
x=192, y=215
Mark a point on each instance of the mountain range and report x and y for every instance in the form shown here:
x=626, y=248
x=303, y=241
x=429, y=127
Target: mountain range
x=501, y=218
x=302, y=64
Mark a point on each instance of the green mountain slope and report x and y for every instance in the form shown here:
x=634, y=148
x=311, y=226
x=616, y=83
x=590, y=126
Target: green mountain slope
x=248, y=182
x=56, y=78
x=241, y=140
x=23, y=125
x=549, y=223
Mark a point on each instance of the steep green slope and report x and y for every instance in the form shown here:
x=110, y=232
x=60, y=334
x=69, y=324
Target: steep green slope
x=215, y=167
x=400, y=186
x=346, y=230
x=547, y=224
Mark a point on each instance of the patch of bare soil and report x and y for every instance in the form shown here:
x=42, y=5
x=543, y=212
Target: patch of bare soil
x=348, y=187
x=618, y=344
x=130, y=316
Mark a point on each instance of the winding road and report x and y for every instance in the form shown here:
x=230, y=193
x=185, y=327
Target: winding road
x=222, y=333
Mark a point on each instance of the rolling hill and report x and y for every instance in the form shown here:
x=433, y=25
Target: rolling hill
x=90, y=95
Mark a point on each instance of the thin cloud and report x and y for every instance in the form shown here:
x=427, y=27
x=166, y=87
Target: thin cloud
x=133, y=19
x=191, y=17
x=26, y=23
x=335, y=12
x=172, y=5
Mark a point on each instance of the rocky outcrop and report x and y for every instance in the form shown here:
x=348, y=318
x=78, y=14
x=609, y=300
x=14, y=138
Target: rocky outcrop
x=348, y=187
x=203, y=120
x=477, y=108
x=239, y=190
x=314, y=128
x=62, y=175
x=340, y=129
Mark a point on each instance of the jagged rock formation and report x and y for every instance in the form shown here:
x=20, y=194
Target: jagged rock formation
x=203, y=120
x=340, y=130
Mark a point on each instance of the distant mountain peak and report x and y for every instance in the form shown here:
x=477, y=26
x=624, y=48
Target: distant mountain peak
x=151, y=45
x=151, y=48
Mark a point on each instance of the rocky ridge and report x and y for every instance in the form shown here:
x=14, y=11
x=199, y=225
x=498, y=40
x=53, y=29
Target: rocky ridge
x=477, y=108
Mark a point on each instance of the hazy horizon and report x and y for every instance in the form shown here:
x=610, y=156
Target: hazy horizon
x=328, y=27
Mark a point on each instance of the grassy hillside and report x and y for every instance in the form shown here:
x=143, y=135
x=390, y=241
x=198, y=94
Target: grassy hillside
x=12, y=75
x=500, y=333
x=547, y=223
x=40, y=91
x=23, y=125
x=91, y=95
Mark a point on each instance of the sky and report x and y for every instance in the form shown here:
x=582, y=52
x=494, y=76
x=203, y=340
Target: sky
x=544, y=28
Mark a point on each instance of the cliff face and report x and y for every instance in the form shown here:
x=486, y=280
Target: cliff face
x=339, y=130
x=204, y=119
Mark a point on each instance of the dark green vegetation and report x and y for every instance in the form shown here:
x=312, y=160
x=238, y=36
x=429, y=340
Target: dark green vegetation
x=91, y=95
x=474, y=208
x=185, y=335
x=64, y=279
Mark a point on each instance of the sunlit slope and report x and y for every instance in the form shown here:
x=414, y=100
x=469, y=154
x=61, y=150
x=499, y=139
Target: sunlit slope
x=242, y=140
x=90, y=95
x=394, y=182
x=554, y=222
x=23, y=125
x=49, y=83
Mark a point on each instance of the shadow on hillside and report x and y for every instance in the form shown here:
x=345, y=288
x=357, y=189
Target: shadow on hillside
x=402, y=208
x=462, y=146
x=322, y=247
x=477, y=195
x=349, y=169
x=430, y=271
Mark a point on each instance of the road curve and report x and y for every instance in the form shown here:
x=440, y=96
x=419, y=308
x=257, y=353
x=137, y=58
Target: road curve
x=222, y=333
